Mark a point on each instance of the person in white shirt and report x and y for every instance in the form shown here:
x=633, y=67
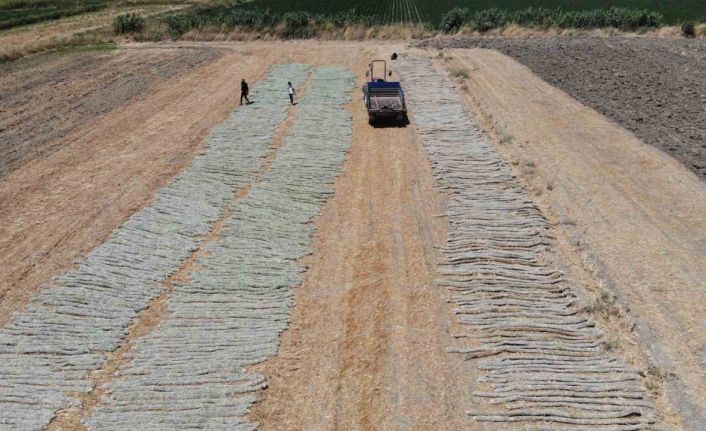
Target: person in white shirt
x=291, y=91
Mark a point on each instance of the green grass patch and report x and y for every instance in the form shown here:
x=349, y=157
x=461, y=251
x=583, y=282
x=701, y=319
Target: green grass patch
x=305, y=24
x=292, y=24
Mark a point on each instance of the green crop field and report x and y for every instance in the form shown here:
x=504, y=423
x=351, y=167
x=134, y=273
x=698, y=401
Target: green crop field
x=15, y=13
x=19, y=12
x=674, y=11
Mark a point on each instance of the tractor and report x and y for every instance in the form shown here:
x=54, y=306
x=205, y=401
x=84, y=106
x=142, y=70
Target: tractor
x=384, y=99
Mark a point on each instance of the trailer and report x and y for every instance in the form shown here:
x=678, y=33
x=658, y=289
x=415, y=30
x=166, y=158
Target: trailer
x=384, y=99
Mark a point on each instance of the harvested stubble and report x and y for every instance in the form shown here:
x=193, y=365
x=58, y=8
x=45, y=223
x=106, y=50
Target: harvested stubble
x=549, y=368
x=50, y=348
x=191, y=372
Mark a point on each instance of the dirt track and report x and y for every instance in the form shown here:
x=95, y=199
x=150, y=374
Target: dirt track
x=655, y=88
x=366, y=344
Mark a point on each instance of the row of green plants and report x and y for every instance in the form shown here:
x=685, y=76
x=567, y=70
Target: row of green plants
x=627, y=19
x=302, y=24
x=17, y=13
x=29, y=5
x=295, y=23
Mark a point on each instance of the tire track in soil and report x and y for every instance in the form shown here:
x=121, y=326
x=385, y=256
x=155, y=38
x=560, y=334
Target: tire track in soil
x=155, y=313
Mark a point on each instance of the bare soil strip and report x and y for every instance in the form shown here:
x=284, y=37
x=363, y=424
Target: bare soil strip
x=47, y=97
x=637, y=216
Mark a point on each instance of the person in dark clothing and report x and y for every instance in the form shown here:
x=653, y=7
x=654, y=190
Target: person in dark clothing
x=244, y=90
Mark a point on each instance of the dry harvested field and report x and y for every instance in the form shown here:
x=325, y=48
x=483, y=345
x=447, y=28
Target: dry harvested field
x=45, y=98
x=510, y=260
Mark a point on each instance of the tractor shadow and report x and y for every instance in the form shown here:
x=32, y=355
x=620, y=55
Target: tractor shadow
x=390, y=123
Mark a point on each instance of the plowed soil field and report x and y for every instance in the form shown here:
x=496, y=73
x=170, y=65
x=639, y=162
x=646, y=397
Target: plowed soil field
x=656, y=88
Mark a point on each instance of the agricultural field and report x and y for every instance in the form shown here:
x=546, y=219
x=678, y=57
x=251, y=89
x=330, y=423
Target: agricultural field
x=86, y=28
x=15, y=13
x=520, y=246
x=652, y=87
x=430, y=11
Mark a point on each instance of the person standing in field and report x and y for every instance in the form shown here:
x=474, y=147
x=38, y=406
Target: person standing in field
x=291, y=91
x=244, y=90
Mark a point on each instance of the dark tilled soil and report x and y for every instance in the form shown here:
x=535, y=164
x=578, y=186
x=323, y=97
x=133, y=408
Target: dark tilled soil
x=654, y=87
x=46, y=97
